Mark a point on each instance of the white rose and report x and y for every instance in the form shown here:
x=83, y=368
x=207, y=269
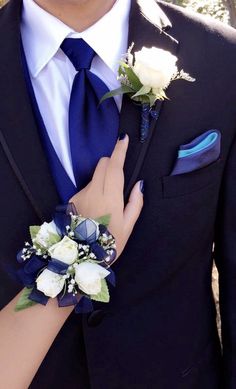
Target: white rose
x=88, y=277
x=44, y=235
x=155, y=67
x=65, y=251
x=51, y=284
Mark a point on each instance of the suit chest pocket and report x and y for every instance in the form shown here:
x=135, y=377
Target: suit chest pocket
x=184, y=184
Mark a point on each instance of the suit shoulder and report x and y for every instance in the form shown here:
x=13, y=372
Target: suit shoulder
x=202, y=26
x=3, y=10
x=207, y=48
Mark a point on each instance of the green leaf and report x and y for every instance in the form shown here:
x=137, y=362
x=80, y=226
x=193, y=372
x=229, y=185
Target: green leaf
x=121, y=70
x=163, y=94
x=119, y=91
x=133, y=79
x=122, y=66
x=152, y=99
x=53, y=239
x=103, y=296
x=142, y=99
x=143, y=91
x=74, y=223
x=24, y=301
x=105, y=220
x=33, y=231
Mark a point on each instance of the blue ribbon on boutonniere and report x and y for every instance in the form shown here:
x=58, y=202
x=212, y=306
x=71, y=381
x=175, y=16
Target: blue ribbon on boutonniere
x=145, y=76
x=147, y=113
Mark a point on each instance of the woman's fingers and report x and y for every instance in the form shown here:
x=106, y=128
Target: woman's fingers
x=134, y=207
x=119, y=152
x=114, y=181
x=100, y=172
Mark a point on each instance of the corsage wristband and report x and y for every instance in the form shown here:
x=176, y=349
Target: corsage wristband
x=68, y=258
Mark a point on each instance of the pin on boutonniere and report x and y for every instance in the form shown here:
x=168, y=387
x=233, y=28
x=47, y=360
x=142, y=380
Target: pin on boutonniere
x=145, y=76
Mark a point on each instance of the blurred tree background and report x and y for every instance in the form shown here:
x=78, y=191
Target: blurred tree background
x=224, y=10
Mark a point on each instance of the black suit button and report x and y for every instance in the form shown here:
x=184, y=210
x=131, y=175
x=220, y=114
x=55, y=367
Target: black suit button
x=96, y=318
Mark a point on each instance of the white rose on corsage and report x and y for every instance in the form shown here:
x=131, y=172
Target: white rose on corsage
x=65, y=251
x=50, y=283
x=155, y=68
x=46, y=234
x=88, y=276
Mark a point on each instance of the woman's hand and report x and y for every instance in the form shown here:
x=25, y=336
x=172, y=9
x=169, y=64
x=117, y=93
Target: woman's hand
x=104, y=195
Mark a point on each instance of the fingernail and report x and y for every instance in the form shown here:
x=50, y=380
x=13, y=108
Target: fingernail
x=142, y=186
x=122, y=136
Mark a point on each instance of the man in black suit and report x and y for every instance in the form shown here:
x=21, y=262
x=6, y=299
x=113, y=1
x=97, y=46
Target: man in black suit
x=159, y=331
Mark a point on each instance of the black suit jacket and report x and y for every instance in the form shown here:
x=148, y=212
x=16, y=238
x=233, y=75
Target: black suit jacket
x=159, y=331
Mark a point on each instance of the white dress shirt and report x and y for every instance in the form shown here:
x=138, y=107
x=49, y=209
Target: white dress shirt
x=52, y=73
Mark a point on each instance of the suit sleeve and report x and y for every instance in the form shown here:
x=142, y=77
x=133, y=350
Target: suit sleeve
x=225, y=257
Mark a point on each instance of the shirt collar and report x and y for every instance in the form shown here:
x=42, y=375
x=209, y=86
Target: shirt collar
x=42, y=35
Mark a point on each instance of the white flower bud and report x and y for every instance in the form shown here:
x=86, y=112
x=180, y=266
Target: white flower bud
x=88, y=277
x=43, y=236
x=49, y=283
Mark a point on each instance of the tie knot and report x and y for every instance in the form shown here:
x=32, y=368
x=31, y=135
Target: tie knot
x=78, y=52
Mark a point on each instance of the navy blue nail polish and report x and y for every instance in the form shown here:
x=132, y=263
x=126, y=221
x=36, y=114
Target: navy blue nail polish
x=122, y=136
x=142, y=186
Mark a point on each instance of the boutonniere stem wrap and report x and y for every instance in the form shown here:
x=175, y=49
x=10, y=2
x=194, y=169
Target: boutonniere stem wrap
x=68, y=259
x=145, y=77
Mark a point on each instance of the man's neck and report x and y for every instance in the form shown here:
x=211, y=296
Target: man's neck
x=78, y=14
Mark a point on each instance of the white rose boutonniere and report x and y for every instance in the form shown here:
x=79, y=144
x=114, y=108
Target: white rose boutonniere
x=145, y=76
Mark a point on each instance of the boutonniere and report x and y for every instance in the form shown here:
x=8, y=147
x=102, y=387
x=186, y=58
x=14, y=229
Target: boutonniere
x=145, y=76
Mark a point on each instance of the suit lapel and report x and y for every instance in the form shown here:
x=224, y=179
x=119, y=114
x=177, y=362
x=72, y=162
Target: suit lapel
x=19, y=134
x=148, y=26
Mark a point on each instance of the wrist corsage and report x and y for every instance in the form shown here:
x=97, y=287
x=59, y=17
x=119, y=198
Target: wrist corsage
x=68, y=259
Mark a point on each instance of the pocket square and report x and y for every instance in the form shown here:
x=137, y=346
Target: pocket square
x=202, y=151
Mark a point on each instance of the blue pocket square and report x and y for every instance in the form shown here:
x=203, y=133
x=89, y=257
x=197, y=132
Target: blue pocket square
x=202, y=151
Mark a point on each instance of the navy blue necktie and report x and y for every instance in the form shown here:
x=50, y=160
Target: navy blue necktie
x=93, y=127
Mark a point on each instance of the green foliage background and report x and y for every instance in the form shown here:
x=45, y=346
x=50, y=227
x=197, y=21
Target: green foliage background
x=215, y=8
x=223, y=10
